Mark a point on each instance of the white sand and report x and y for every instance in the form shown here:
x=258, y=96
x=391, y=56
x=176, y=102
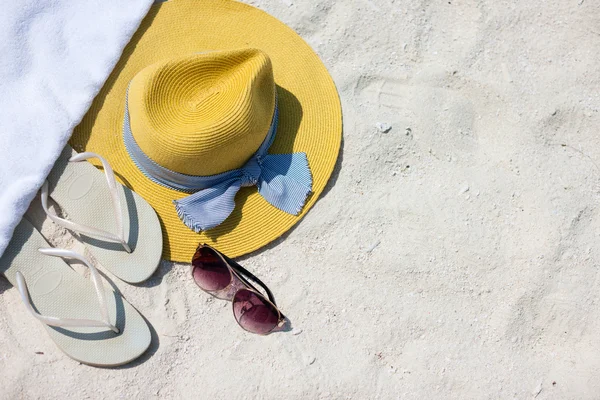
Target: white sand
x=455, y=256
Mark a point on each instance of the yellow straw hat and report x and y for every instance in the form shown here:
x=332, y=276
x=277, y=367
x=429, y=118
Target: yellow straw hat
x=223, y=119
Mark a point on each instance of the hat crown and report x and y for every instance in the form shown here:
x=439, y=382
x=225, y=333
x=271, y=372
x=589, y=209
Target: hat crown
x=203, y=114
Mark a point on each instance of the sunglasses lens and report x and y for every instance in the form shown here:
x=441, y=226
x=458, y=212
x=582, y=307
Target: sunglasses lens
x=210, y=272
x=254, y=313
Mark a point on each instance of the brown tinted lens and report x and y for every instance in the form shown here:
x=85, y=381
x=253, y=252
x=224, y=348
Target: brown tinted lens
x=254, y=313
x=209, y=270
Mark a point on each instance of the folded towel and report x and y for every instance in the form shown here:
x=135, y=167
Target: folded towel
x=54, y=57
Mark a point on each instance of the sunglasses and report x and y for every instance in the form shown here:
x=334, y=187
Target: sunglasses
x=223, y=278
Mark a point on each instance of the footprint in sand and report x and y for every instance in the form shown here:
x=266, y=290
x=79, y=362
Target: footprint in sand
x=438, y=117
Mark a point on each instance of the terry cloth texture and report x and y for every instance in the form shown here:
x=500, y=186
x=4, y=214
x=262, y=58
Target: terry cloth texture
x=56, y=55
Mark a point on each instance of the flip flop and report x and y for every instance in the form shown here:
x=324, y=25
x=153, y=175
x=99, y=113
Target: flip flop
x=120, y=229
x=88, y=322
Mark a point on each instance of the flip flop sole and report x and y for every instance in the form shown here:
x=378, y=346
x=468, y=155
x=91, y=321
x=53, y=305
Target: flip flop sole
x=81, y=191
x=57, y=290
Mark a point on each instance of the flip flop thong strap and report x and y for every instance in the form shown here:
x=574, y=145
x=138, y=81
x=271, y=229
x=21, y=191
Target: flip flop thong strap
x=69, y=322
x=116, y=203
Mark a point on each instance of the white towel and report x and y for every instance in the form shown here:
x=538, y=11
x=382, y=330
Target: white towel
x=54, y=57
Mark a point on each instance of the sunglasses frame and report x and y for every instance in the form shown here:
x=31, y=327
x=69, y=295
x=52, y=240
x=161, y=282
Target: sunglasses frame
x=238, y=271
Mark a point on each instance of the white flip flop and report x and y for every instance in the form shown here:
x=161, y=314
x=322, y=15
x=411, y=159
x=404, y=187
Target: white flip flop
x=120, y=229
x=88, y=321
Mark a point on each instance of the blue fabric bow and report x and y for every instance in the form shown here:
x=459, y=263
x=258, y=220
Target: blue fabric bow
x=283, y=180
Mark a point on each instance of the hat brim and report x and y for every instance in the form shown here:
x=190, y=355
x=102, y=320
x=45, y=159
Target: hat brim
x=310, y=115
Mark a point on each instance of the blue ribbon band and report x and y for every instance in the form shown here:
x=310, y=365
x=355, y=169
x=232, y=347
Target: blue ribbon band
x=283, y=180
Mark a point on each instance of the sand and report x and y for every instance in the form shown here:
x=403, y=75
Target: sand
x=454, y=254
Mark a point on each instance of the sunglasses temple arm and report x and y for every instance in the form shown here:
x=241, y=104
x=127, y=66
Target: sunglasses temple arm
x=245, y=275
x=253, y=278
x=243, y=271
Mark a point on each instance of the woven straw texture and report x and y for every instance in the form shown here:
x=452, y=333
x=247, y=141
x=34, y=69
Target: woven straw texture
x=310, y=115
x=203, y=114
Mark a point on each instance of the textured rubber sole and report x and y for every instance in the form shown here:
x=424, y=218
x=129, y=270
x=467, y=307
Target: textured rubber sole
x=81, y=191
x=57, y=290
